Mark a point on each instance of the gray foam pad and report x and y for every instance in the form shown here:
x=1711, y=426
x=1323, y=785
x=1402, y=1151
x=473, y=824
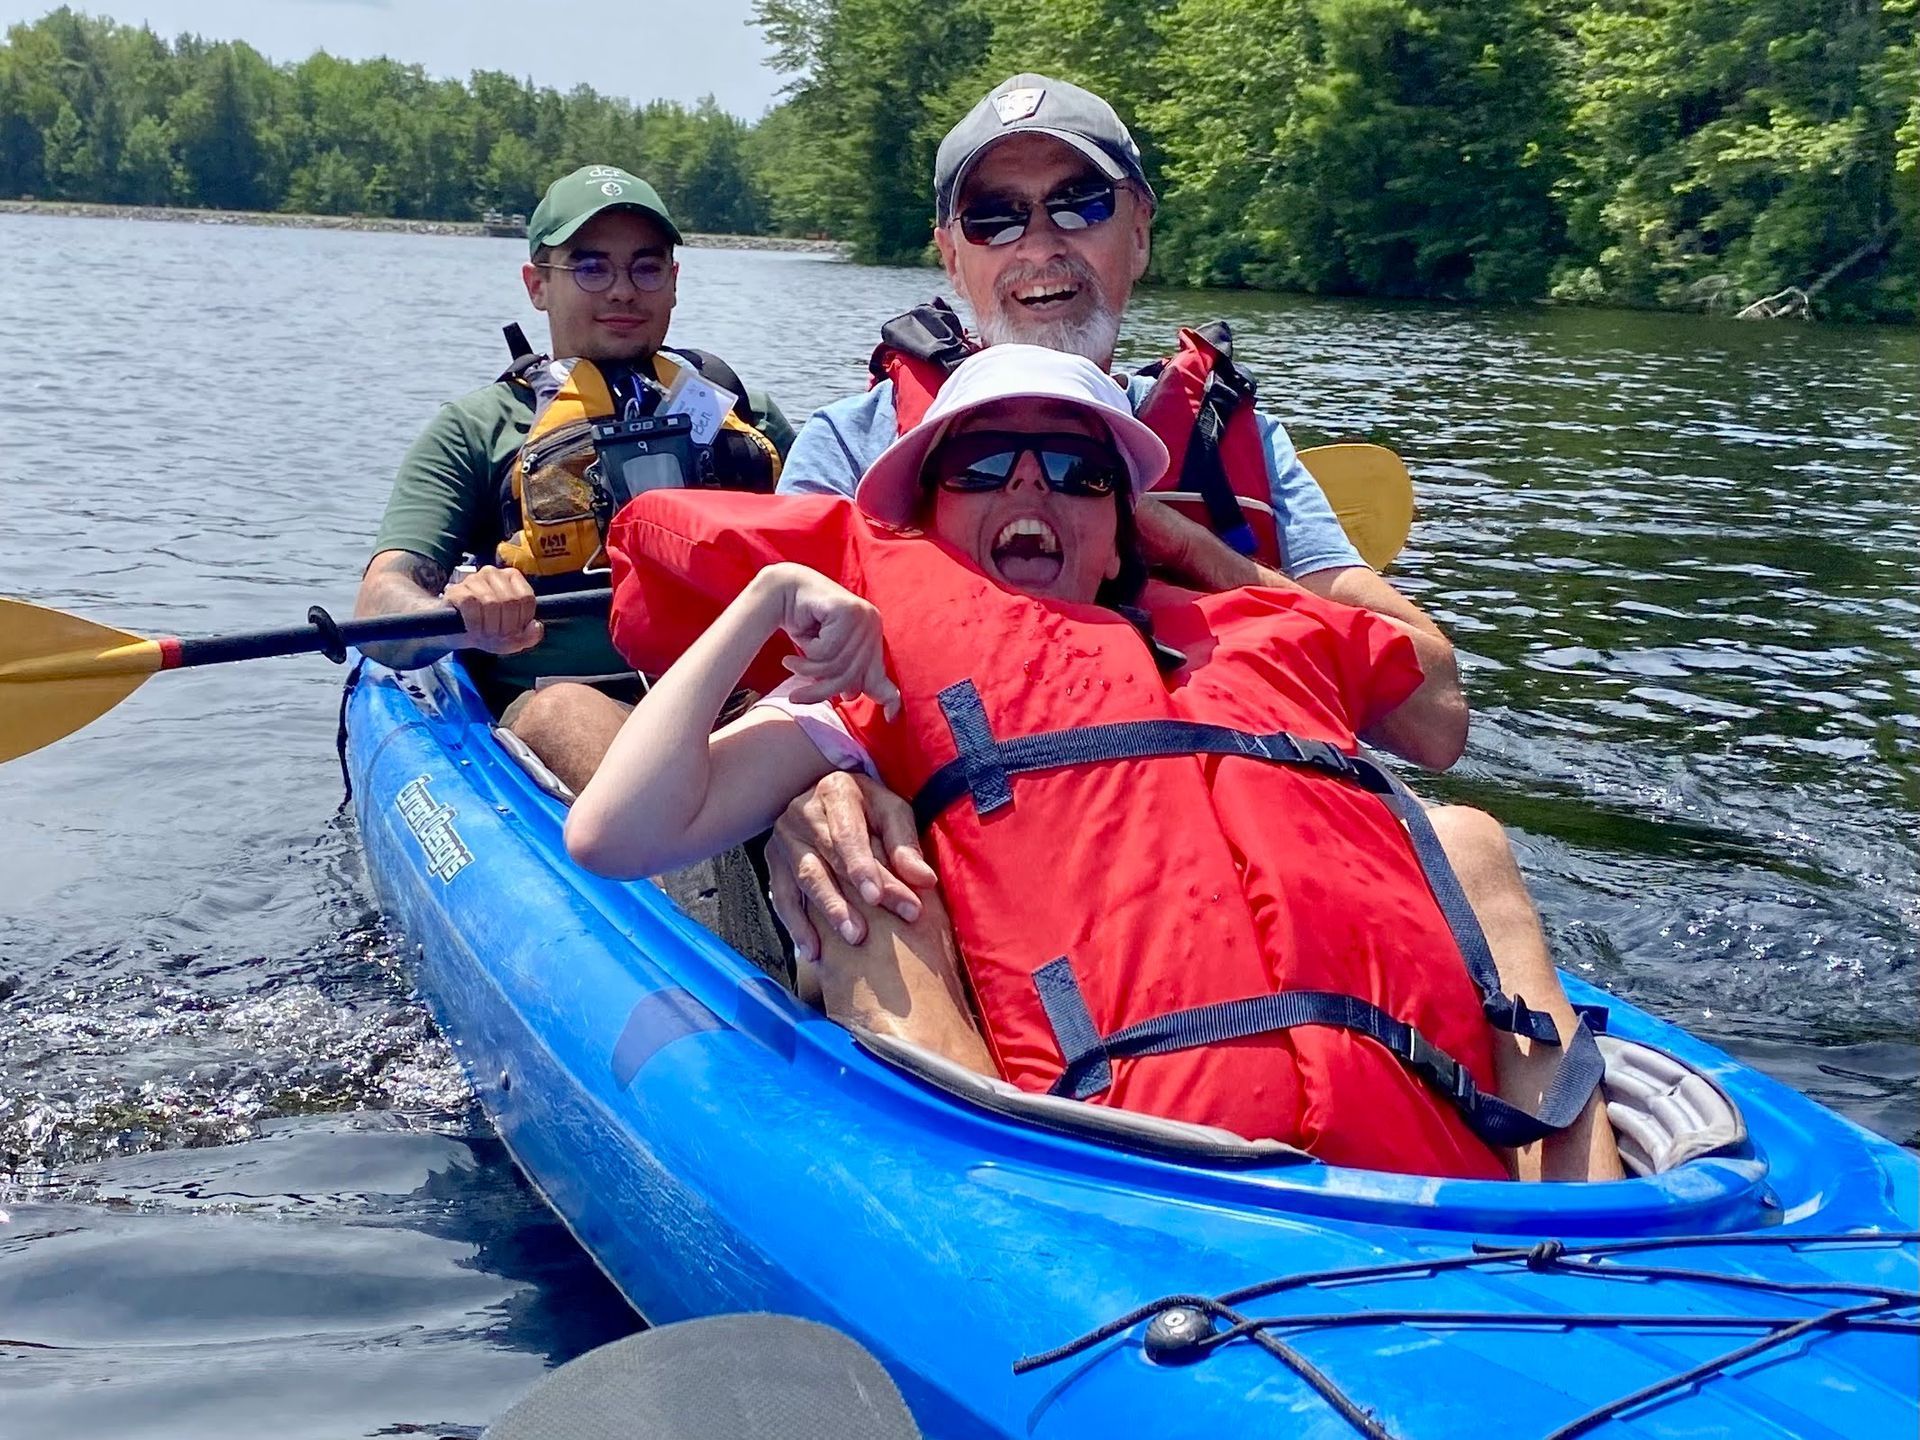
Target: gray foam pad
x=728, y=1377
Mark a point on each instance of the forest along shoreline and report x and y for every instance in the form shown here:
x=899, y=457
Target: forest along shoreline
x=80, y=210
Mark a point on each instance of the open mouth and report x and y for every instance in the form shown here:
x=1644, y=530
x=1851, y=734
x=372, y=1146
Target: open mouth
x=1046, y=294
x=1026, y=552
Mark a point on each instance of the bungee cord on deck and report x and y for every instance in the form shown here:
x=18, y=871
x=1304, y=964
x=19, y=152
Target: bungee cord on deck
x=1877, y=1310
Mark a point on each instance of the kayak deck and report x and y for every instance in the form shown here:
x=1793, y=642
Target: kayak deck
x=716, y=1147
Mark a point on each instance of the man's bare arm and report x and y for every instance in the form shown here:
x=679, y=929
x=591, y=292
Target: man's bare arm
x=1430, y=727
x=496, y=604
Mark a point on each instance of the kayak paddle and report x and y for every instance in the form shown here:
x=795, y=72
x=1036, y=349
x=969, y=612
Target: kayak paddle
x=1371, y=493
x=59, y=672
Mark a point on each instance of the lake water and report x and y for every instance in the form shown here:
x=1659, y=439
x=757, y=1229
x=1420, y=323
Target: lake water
x=242, y=1186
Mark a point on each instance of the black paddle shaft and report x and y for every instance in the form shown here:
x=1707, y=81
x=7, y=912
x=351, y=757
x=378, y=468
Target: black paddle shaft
x=323, y=634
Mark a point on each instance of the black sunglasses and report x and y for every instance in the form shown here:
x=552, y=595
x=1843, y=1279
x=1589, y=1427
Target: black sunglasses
x=1000, y=220
x=594, y=273
x=984, y=460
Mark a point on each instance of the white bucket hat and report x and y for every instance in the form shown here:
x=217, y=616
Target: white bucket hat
x=891, y=492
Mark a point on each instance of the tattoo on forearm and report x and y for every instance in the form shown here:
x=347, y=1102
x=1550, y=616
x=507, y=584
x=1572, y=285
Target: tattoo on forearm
x=428, y=575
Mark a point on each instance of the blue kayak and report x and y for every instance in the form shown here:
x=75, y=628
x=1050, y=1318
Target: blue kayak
x=1028, y=1267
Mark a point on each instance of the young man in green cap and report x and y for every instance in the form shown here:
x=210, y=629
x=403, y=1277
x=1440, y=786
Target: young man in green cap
x=602, y=270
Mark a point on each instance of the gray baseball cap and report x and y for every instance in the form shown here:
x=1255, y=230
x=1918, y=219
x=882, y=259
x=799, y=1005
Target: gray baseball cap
x=1046, y=106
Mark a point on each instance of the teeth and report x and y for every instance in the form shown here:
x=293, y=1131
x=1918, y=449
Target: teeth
x=1055, y=291
x=1029, y=525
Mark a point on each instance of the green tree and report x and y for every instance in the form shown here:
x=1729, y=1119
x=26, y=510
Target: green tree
x=147, y=172
x=22, y=145
x=67, y=158
x=513, y=178
x=872, y=77
x=213, y=122
x=329, y=184
x=1387, y=147
x=1725, y=151
x=793, y=170
x=1652, y=152
x=1224, y=125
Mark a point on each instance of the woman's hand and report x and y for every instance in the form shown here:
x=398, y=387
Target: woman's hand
x=842, y=652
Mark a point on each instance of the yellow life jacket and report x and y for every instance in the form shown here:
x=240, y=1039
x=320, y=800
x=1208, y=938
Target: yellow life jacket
x=561, y=490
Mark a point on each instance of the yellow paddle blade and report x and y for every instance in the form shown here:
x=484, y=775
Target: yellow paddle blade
x=59, y=672
x=1371, y=492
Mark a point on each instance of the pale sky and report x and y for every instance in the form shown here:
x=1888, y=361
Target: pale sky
x=638, y=49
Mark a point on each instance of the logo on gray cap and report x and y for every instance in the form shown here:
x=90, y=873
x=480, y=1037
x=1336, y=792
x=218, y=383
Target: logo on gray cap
x=1017, y=105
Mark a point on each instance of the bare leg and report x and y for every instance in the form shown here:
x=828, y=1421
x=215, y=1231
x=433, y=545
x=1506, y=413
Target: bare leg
x=569, y=726
x=903, y=980
x=1483, y=859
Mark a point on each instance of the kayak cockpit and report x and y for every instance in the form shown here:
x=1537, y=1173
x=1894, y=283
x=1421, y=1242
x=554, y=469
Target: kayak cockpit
x=1664, y=1111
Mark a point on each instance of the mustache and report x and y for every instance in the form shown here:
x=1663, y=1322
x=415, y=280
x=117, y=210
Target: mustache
x=1069, y=270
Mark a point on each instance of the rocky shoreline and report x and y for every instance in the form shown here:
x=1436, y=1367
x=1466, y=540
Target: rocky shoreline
x=72, y=209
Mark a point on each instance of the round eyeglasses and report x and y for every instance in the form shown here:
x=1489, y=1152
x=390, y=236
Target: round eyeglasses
x=594, y=273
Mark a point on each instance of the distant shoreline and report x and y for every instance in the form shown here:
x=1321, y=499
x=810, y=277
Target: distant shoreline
x=74, y=209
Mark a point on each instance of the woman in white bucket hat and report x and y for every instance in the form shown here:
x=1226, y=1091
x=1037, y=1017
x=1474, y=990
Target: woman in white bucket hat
x=1057, y=545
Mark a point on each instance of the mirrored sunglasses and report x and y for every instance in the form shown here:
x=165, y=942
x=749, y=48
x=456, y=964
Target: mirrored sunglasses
x=998, y=220
x=984, y=460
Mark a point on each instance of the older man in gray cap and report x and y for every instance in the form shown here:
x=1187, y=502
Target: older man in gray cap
x=601, y=267
x=1044, y=220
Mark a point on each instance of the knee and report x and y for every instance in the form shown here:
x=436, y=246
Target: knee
x=540, y=715
x=1475, y=842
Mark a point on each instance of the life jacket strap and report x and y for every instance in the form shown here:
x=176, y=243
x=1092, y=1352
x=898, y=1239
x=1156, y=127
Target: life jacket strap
x=1202, y=470
x=1204, y=473
x=1503, y=1012
x=930, y=333
x=983, y=768
x=1088, y=1056
x=522, y=358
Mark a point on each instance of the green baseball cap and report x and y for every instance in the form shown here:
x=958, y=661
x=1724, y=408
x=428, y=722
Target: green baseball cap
x=574, y=199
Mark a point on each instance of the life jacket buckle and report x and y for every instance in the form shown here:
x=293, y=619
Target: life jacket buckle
x=1280, y=747
x=1267, y=747
x=1326, y=757
x=1434, y=1065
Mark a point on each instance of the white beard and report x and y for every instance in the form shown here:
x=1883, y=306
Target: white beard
x=1092, y=336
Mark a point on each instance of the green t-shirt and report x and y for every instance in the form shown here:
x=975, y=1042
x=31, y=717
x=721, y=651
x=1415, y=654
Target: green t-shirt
x=445, y=506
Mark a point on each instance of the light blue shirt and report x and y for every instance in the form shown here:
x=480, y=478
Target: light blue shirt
x=835, y=447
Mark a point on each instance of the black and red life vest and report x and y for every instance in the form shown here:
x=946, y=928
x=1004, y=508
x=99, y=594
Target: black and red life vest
x=1201, y=407
x=1251, y=925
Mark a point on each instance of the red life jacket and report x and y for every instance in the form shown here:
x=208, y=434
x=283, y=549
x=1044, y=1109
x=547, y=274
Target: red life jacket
x=1177, y=894
x=1201, y=407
